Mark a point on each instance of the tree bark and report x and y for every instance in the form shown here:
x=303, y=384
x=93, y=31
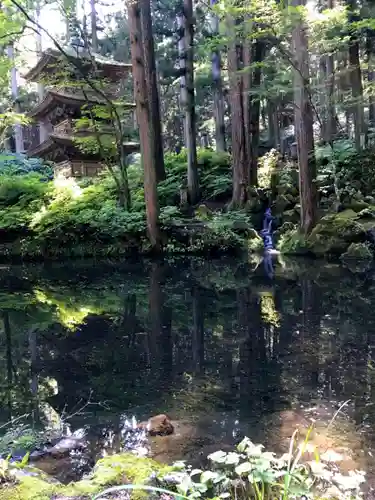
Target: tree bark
x=152, y=88
x=18, y=135
x=254, y=111
x=247, y=58
x=240, y=173
x=144, y=121
x=273, y=123
x=94, y=31
x=303, y=117
x=355, y=79
x=43, y=133
x=370, y=49
x=218, y=96
x=331, y=109
x=190, y=118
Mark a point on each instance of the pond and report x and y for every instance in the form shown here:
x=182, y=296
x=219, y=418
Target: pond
x=219, y=346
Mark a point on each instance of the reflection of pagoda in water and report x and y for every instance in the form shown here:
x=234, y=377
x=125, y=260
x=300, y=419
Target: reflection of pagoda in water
x=63, y=104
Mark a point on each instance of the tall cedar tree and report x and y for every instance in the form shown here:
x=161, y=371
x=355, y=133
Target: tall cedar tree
x=218, y=95
x=355, y=77
x=142, y=99
x=152, y=87
x=303, y=120
x=239, y=150
x=253, y=112
x=190, y=117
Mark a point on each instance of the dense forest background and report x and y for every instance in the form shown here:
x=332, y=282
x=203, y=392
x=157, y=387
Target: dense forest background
x=261, y=90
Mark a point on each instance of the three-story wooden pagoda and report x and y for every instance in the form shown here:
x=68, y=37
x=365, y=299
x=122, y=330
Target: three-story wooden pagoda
x=68, y=97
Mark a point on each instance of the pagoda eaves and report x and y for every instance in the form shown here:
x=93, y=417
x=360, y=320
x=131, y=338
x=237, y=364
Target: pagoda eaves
x=50, y=58
x=55, y=98
x=63, y=140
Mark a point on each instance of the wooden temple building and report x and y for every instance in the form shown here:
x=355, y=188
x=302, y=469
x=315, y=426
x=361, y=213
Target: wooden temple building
x=63, y=104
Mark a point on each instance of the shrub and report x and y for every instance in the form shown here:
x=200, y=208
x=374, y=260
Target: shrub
x=94, y=213
x=20, y=198
x=21, y=191
x=16, y=164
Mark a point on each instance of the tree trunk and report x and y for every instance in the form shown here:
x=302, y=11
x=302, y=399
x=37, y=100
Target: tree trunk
x=218, y=96
x=331, y=109
x=43, y=133
x=94, y=31
x=355, y=79
x=152, y=88
x=18, y=136
x=323, y=108
x=240, y=173
x=190, y=118
x=273, y=123
x=303, y=117
x=254, y=111
x=247, y=99
x=370, y=49
x=145, y=131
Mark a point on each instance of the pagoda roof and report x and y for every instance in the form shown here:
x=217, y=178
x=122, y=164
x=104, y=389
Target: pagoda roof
x=68, y=140
x=51, y=57
x=77, y=99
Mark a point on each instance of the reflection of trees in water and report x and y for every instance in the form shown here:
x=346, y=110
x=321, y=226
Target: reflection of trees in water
x=193, y=341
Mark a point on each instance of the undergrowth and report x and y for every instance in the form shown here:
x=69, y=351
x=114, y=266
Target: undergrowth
x=40, y=218
x=250, y=473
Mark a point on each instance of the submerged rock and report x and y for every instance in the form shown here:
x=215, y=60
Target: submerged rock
x=160, y=425
x=61, y=449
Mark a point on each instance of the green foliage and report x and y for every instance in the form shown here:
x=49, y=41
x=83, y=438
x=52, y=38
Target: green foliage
x=19, y=439
x=267, y=164
x=20, y=198
x=214, y=174
x=93, y=213
x=12, y=164
x=251, y=473
x=293, y=242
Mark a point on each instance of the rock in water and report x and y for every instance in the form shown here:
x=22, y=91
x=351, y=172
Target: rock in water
x=160, y=425
x=65, y=446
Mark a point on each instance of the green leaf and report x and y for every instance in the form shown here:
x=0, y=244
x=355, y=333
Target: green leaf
x=232, y=458
x=218, y=457
x=254, y=450
x=194, y=472
x=243, y=444
x=208, y=475
x=243, y=468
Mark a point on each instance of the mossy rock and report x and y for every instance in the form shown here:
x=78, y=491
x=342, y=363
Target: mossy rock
x=124, y=468
x=293, y=242
x=254, y=205
x=356, y=205
x=254, y=242
x=367, y=213
x=203, y=213
x=334, y=233
x=287, y=189
x=285, y=228
x=281, y=204
x=291, y=216
x=361, y=251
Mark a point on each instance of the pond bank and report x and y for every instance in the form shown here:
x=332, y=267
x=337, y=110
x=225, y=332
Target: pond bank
x=240, y=473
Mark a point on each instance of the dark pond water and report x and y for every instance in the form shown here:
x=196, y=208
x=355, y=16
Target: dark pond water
x=220, y=347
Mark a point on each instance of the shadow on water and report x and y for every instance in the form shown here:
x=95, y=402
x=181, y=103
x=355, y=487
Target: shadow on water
x=217, y=345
